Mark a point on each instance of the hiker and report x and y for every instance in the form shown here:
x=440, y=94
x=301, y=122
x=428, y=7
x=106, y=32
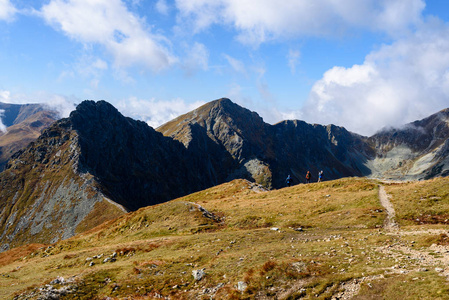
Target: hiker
x=308, y=177
x=288, y=180
x=320, y=175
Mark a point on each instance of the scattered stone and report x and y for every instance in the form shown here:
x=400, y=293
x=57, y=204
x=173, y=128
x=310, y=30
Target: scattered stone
x=58, y=280
x=109, y=259
x=242, y=286
x=423, y=270
x=198, y=274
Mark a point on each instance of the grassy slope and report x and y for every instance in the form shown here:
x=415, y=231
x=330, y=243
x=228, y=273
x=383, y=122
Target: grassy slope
x=159, y=246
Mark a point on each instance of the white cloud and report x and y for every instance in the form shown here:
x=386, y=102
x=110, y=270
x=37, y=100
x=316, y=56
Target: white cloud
x=7, y=10
x=2, y=126
x=162, y=7
x=237, y=65
x=63, y=105
x=5, y=96
x=153, y=112
x=265, y=20
x=110, y=24
x=293, y=59
x=197, y=58
x=397, y=84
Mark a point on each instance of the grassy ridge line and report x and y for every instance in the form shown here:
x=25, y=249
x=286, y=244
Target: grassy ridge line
x=158, y=247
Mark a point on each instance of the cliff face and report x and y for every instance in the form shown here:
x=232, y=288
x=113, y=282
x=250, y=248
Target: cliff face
x=89, y=168
x=42, y=196
x=253, y=149
x=134, y=164
x=418, y=150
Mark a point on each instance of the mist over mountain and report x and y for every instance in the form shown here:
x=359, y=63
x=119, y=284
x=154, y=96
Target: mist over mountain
x=22, y=124
x=98, y=164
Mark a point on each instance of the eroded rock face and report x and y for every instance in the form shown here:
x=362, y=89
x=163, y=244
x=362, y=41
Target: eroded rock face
x=43, y=198
x=89, y=168
x=252, y=149
x=418, y=150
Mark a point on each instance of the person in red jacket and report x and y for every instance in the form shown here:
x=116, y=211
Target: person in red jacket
x=308, y=177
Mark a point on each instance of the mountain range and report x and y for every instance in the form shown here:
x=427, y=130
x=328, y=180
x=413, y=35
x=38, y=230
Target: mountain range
x=97, y=164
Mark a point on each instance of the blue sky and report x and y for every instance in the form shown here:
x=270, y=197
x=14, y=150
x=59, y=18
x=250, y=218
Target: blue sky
x=361, y=64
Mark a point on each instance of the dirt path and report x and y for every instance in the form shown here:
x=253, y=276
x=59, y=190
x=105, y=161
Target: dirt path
x=389, y=223
x=412, y=260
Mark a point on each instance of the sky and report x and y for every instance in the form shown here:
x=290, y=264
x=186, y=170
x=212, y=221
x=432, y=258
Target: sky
x=361, y=64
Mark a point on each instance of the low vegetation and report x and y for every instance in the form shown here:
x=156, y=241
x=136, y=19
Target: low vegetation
x=319, y=241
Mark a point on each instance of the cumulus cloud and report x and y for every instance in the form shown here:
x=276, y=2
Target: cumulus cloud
x=397, y=84
x=110, y=24
x=267, y=20
x=153, y=112
x=7, y=10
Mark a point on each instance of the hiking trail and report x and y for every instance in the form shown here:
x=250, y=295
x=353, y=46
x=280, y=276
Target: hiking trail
x=390, y=222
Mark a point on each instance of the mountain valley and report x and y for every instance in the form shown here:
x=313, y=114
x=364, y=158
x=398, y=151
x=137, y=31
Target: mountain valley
x=99, y=182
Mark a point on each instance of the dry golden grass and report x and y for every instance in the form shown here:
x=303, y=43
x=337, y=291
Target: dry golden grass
x=422, y=202
x=256, y=241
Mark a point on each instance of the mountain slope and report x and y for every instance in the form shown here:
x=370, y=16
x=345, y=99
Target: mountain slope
x=13, y=114
x=322, y=241
x=419, y=150
x=89, y=168
x=266, y=153
x=24, y=123
x=98, y=164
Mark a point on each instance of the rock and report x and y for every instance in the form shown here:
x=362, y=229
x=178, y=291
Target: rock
x=58, y=280
x=423, y=270
x=198, y=274
x=109, y=259
x=242, y=286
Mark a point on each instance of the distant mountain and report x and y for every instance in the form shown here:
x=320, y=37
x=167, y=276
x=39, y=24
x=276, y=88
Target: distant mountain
x=418, y=150
x=24, y=124
x=98, y=164
x=237, y=143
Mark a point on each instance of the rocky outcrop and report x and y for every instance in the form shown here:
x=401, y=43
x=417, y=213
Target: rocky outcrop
x=135, y=165
x=419, y=150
